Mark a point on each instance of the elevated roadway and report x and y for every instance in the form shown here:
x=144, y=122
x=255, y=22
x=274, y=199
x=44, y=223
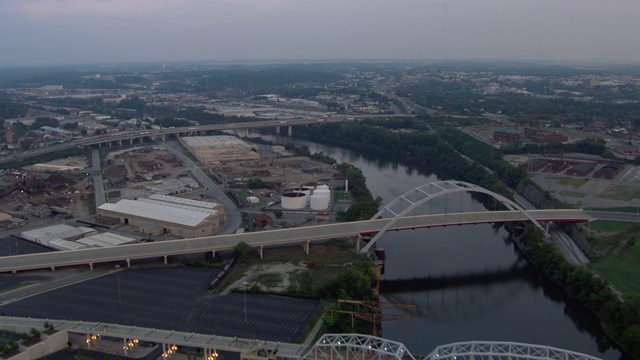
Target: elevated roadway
x=277, y=237
x=130, y=136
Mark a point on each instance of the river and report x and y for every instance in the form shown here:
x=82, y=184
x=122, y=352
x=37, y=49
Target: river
x=516, y=303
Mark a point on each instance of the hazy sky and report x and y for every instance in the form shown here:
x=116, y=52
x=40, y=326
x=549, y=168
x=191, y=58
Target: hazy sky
x=34, y=32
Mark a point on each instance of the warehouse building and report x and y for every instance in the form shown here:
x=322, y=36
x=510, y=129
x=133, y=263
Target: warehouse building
x=213, y=149
x=185, y=218
x=60, y=231
x=581, y=169
x=506, y=136
x=609, y=171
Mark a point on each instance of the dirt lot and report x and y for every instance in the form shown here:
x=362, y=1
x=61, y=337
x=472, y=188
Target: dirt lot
x=280, y=267
x=296, y=171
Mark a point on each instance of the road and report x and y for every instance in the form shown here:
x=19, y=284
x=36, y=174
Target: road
x=153, y=134
x=274, y=238
x=98, y=183
x=615, y=216
x=234, y=218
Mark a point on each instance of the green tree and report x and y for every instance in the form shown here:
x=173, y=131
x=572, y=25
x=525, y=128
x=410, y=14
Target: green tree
x=255, y=183
x=278, y=214
x=25, y=144
x=243, y=249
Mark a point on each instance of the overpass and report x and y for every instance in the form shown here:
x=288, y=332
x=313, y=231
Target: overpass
x=259, y=240
x=328, y=347
x=140, y=135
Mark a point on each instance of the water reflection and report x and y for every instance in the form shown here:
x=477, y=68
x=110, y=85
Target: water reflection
x=523, y=307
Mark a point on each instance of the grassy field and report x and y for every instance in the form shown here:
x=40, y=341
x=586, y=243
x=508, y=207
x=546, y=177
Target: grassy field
x=620, y=192
x=576, y=183
x=324, y=263
x=610, y=225
x=340, y=195
x=622, y=269
x=572, y=194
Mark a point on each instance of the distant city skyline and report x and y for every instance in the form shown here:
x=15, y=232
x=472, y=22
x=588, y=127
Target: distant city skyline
x=56, y=32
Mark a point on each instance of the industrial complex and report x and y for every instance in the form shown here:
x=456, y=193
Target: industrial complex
x=160, y=214
x=214, y=149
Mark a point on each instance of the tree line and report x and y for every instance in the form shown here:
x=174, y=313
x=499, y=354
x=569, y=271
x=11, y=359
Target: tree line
x=620, y=320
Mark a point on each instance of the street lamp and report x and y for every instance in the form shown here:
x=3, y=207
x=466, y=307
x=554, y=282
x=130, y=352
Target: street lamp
x=245, y=300
x=118, y=275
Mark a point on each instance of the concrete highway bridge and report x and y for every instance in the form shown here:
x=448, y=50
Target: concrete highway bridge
x=305, y=235
x=328, y=347
x=138, y=136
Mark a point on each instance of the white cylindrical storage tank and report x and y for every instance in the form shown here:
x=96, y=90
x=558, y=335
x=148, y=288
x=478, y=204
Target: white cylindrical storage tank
x=319, y=202
x=322, y=187
x=324, y=192
x=306, y=191
x=293, y=200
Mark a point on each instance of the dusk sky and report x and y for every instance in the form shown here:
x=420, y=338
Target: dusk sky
x=40, y=32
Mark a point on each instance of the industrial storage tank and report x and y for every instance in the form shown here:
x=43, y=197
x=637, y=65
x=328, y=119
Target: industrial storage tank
x=319, y=202
x=305, y=190
x=323, y=192
x=321, y=198
x=294, y=200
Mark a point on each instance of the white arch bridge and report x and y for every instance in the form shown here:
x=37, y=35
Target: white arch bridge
x=328, y=347
x=412, y=199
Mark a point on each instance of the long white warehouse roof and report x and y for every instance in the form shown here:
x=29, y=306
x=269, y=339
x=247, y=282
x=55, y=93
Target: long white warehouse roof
x=60, y=231
x=106, y=240
x=183, y=201
x=161, y=211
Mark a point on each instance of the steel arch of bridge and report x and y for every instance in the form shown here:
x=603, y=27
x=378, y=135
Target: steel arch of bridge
x=357, y=347
x=425, y=193
x=503, y=350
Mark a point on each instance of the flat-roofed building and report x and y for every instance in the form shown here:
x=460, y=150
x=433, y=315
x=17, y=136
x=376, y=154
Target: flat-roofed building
x=213, y=149
x=60, y=231
x=185, y=218
x=506, y=136
x=581, y=169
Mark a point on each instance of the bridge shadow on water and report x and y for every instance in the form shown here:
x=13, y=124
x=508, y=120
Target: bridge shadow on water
x=515, y=271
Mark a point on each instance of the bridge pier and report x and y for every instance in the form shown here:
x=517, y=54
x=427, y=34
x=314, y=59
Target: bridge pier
x=213, y=253
x=306, y=247
x=290, y=131
x=90, y=266
x=128, y=263
x=261, y=251
x=53, y=268
x=165, y=259
x=356, y=240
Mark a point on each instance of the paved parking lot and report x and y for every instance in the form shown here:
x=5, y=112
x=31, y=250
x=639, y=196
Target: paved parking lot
x=13, y=246
x=269, y=317
x=10, y=281
x=173, y=298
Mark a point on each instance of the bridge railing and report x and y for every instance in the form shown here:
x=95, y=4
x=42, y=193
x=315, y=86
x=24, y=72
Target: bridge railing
x=503, y=350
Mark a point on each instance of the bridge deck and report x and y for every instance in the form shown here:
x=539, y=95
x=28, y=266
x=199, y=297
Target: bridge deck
x=274, y=237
